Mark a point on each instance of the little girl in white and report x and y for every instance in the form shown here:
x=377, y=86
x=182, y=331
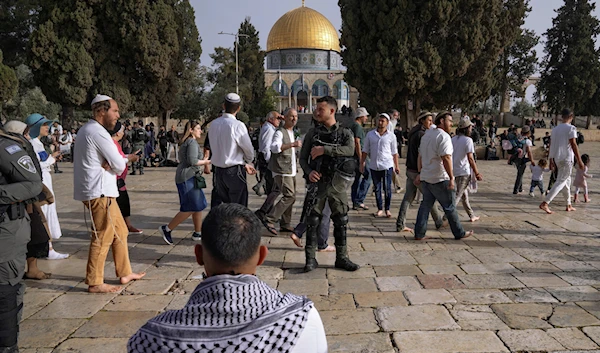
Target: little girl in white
x=580, y=176
x=537, y=176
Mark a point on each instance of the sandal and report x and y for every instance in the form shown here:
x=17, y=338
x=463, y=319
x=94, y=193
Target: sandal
x=363, y=206
x=271, y=229
x=286, y=230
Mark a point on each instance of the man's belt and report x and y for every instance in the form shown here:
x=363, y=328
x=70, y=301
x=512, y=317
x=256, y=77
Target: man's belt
x=12, y=212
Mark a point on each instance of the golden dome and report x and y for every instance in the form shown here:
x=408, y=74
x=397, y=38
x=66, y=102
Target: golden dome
x=303, y=28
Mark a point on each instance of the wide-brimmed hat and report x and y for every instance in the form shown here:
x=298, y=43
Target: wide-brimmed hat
x=360, y=112
x=525, y=129
x=35, y=122
x=423, y=115
x=464, y=122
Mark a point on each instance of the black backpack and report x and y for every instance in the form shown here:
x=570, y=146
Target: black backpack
x=580, y=138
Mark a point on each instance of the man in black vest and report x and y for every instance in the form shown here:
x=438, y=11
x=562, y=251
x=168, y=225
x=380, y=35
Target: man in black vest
x=284, y=168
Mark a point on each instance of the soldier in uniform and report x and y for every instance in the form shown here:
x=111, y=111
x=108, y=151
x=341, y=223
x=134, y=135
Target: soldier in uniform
x=139, y=137
x=20, y=183
x=327, y=158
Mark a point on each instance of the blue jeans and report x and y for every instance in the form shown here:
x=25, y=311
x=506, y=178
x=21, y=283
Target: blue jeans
x=379, y=178
x=446, y=198
x=360, y=187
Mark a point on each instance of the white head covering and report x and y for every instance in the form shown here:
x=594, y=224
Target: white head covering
x=100, y=98
x=385, y=115
x=233, y=98
x=15, y=126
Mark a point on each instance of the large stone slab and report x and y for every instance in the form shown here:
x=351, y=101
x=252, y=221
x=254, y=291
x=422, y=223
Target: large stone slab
x=453, y=257
x=147, y=286
x=397, y=270
x=488, y=268
x=363, y=272
x=154, y=303
x=92, y=345
x=440, y=282
x=593, y=333
x=529, y=340
x=574, y=266
x=570, y=315
x=530, y=295
x=501, y=281
x=536, y=267
x=351, y=285
x=524, y=316
x=496, y=255
x=304, y=286
x=535, y=280
x=35, y=301
x=344, y=322
x=382, y=258
x=416, y=318
x=333, y=302
x=477, y=318
x=361, y=343
x=581, y=278
x=479, y=296
x=449, y=342
x=429, y=296
x=114, y=324
x=74, y=306
x=380, y=299
x=592, y=307
x=572, y=338
x=46, y=333
x=441, y=269
x=575, y=293
x=396, y=284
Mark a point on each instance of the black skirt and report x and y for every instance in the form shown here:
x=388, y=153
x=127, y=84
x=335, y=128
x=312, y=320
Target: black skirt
x=123, y=202
x=38, y=244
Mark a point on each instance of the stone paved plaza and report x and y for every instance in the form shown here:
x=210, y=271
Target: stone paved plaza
x=526, y=281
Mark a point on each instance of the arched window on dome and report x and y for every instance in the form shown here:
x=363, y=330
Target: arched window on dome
x=320, y=88
x=335, y=91
x=297, y=87
x=283, y=90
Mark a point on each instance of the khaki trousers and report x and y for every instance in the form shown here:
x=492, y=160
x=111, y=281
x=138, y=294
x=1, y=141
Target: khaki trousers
x=283, y=209
x=109, y=231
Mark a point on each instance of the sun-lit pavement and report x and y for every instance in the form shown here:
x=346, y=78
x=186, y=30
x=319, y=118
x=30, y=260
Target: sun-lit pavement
x=526, y=281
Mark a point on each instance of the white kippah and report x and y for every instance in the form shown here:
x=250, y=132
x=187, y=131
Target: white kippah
x=100, y=98
x=233, y=98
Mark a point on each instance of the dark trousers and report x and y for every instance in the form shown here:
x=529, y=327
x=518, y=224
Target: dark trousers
x=382, y=179
x=323, y=228
x=446, y=198
x=272, y=192
x=537, y=183
x=230, y=186
x=163, y=151
x=521, y=166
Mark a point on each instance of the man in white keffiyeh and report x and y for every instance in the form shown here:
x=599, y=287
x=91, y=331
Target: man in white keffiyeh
x=232, y=310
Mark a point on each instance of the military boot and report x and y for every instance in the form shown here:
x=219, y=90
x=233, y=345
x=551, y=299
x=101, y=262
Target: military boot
x=341, y=251
x=310, y=249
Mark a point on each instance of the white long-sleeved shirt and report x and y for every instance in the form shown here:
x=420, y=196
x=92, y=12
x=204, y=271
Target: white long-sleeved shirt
x=381, y=149
x=276, y=148
x=94, y=146
x=230, y=143
x=38, y=147
x=265, y=139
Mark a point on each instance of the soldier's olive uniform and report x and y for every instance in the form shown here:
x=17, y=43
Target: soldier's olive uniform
x=338, y=143
x=20, y=183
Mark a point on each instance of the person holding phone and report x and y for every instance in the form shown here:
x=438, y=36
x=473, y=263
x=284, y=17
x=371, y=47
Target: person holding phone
x=39, y=127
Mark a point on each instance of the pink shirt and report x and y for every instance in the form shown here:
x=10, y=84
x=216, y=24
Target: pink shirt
x=124, y=174
x=580, y=176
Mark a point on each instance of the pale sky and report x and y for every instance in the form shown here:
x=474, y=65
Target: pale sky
x=213, y=17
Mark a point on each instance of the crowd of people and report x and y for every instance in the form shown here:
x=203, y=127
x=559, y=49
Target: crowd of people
x=441, y=165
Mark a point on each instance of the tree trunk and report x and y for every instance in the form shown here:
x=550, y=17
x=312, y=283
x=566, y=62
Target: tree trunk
x=67, y=117
x=505, y=102
x=588, y=124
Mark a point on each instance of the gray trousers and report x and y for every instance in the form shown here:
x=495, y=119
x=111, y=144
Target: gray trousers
x=409, y=197
x=462, y=193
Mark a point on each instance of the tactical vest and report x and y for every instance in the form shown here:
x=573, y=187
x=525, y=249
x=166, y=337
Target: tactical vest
x=281, y=163
x=321, y=137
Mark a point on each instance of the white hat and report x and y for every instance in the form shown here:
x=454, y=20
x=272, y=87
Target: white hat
x=360, y=112
x=15, y=126
x=233, y=98
x=100, y=98
x=385, y=115
x=464, y=122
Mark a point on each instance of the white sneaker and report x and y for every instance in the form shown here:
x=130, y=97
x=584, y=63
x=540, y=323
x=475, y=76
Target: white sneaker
x=531, y=194
x=53, y=255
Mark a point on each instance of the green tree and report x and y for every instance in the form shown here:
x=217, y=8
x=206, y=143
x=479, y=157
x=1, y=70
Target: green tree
x=523, y=108
x=8, y=84
x=61, y=49
x=516, y=64
x=434, y=52
x=570, y=72
x=16, y=20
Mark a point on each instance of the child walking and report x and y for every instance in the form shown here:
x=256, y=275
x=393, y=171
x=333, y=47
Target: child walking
x=580, y=179
x=537, y=176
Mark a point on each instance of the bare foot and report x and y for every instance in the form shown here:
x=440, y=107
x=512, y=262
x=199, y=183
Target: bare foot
x=38, y=275
x=329, y=248
x=379, y=214
x=467, y=234
x=445, y=224
x=544, y=206
x=104, y=288
x=296, y=240
x=131, y=277
x=570, y=208
x=388, y=214
x=424, y=238
x=475, y=219
x=587, y=200
x=406, y=229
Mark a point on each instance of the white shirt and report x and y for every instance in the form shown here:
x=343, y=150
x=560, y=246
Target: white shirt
x=38, y=147
x=560, y=149
x=392, y=125
x=434, y=144
x=94, y=146
x=58, y=127
x=276, y=148
x=65, y=141
x=537, y=172
x=230, y=143
x=312, y=339
x=380, y=149
x=462, y=145
x=265, y=139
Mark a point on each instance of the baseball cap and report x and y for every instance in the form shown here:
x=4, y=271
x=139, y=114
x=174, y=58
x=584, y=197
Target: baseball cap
x=35, y=121
x=233, y=98
x=360, y=112
x=464, y=122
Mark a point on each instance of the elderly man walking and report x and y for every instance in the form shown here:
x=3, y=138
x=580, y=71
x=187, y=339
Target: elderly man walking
x=563, y=152
x=95, y=168
x=265, y=140
x=437, y=177
x=232, y=154
x=382, y=147
x=284, y=167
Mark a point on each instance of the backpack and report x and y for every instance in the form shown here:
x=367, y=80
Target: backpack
x=507, y=145
x=580, y=138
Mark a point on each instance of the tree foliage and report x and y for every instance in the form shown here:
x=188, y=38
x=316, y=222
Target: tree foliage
x=570, y=72
x=16, y=20
x=8, y=83
x=523, y=108
x=438, y=52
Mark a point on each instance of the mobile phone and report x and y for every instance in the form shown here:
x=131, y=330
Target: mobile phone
x=139, y=153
